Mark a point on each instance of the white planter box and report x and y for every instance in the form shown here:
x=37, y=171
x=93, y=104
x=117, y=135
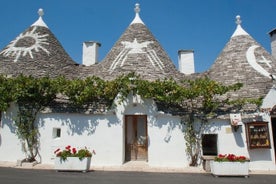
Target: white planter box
x=72, y=164
x=229, y=168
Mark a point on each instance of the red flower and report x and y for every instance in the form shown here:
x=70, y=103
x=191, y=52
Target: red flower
x=74, y=150
x=68, y=147
x=230, y=158
x=221, y=156
x=241, y=158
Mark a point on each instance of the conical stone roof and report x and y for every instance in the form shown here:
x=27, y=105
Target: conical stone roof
x=36, y=52
x=246, y=61
x=137, y=51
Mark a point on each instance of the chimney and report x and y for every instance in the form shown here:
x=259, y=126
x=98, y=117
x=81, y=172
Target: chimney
x=90, y=53
x=273, y=42
x=186, y=61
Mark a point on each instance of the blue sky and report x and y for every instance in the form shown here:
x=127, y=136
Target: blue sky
x=204, y=26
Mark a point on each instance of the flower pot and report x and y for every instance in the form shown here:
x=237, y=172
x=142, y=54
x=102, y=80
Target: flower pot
x=72, y=164
x=229, y=168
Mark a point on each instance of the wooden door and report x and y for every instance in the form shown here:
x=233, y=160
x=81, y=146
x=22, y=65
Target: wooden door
x=136, y=137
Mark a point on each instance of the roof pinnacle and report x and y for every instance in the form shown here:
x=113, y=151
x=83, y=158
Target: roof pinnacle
x=40, y=12
x=137, y=8
x=239, y=30
x=40, y=21
x=238, y=20
x=137, y=18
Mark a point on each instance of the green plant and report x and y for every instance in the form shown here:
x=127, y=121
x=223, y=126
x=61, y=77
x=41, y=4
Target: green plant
x=202, y=103
x=6, y=97
x=31, y=96
x=73, y=152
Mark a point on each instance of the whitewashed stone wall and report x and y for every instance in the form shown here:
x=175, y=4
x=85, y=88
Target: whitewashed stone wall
x=233, y=142
x=10, y=146
x=102, y=132
x=105, y=134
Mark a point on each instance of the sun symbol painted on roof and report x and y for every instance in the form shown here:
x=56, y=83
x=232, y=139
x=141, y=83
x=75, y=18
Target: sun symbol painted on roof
x=26, y=43
x=135, y=48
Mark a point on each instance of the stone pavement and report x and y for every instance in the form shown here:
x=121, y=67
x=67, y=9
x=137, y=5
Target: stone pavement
x=130, y=166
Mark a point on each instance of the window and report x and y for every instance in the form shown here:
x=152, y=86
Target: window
x=257, y=135
x=209, y=144
x=56, y=133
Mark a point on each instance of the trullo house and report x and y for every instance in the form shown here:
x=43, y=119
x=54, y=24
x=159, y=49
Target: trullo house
x=138, y=128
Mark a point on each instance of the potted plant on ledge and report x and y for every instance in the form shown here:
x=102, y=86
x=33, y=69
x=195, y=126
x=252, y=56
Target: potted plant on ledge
x=230, y=165
x=71, y=159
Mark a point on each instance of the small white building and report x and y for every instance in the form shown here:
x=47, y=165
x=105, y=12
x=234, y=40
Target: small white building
x=138, y=129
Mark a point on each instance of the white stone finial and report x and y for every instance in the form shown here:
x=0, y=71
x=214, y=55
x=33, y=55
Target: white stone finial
x=137, y=18
x=239, y=30
x=238, y=20
x=137, y=8
x=40, y=21
x=40, y=12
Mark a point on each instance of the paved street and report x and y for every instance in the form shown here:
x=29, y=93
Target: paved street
x=27, y=176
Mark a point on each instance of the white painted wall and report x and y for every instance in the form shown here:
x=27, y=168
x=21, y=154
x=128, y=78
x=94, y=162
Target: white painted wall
x=105, y=134
x=273, y=42
x=270, y=99
x=90, y=53
x=10, y=146
x=102, y=133
x=233, y=142
x=186, y=61
x=166, y=142
x=166, y=146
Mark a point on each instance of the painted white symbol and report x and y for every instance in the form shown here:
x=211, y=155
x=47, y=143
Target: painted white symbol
x=19, y=47
x=133, y=48
x=253, y=62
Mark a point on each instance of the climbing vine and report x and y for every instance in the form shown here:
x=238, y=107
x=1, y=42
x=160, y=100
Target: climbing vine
x=197, y=99
x=31, y=96
x=6, y=86
x=203, y=101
